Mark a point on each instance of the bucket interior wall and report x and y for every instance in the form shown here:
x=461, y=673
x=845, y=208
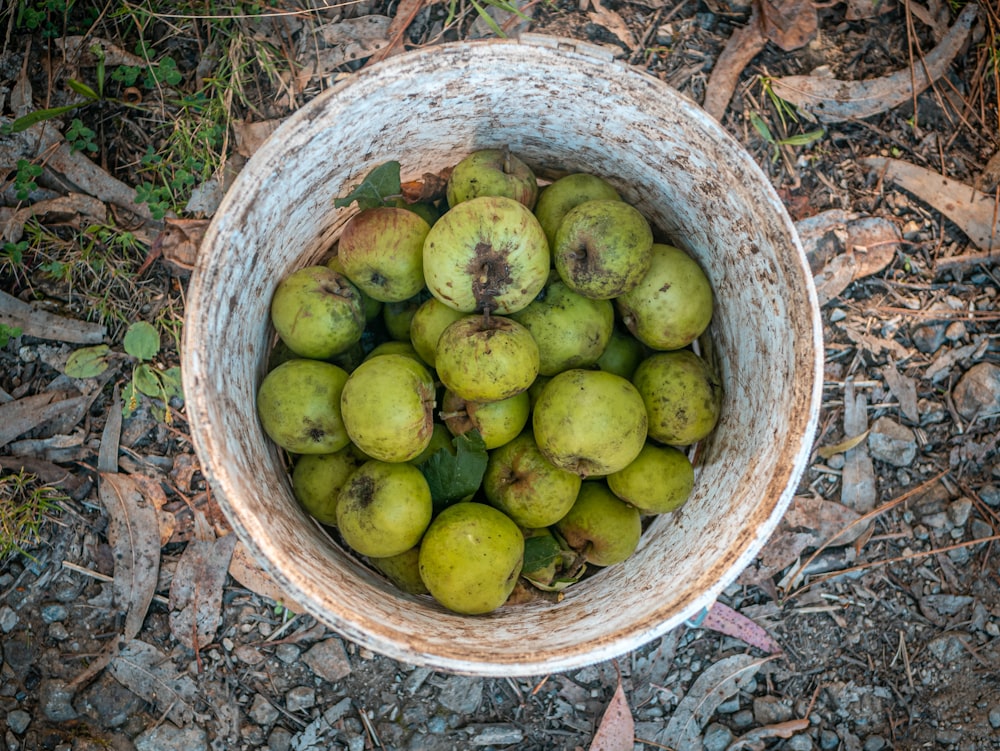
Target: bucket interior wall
x=561, y=112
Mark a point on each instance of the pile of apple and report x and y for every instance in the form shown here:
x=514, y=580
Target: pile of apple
x=493, y=388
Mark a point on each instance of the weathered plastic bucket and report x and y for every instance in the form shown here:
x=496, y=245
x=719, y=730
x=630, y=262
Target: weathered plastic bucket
x=560, y=106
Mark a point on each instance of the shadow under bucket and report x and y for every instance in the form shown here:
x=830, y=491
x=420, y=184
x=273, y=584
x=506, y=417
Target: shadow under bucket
x=561, y=108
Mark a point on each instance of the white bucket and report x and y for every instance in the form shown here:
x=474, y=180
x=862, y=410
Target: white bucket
x=560, y=106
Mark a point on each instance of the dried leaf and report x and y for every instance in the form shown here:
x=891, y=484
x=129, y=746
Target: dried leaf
x=967, y=207
x=250, y=136
x=742, y=47
x=725, y=620
x=147, y=672
x=617, y=729
x=833, y=100
x=790, y=24
x=825, y=520
x=196, y=591
x=653, y=667
x=152, y=490
x=244, y=569
x=44, y=325
x=58, y=210
x=29, y=412
x=904, y=389
x=858, y=10
x=869, y=246
x=858, y=478
x=428, y=189
x=613, y=22
x=826, y=452
x=989, y=178
x=73, y=46
x=713, y=687
x=107, y=457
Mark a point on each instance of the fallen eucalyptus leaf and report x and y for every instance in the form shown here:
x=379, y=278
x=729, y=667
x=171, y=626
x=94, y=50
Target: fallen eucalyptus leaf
x=196, y=591
x=725, y=620
x=150, y=674
x=825, y=452
x=40, y=323
x=616, y=732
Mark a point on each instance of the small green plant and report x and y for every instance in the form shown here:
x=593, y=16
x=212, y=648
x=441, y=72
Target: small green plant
x=141, y=345
x=80, y=137
x=7, y=333
x=26, y=505
x=24, y=179
x=800, y=139
x=482, y=8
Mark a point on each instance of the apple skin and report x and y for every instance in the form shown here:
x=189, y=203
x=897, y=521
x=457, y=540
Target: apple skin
x=317, y=312
x=622, y=355
x=317, y=480
x=384, y=508
x=682, y=394
x=601, y=526
x=486, y=254
x=571, y=330
x=299, y=406
x=672, y=304
x=393, y=347
x=658, y=481
x=603, y=248
x=526, y=486
x=382, y=251
x=429, y=320
x=486, y=358
x=388, y=407
x=602, y=438
x=555, y=200
x=497, y=422
x=492, y=172
x=397, y=317
x=471, y=557
x=403, y=570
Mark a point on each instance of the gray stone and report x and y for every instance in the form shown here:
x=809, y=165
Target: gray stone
x=892, y=443
x=770, y=710
x=287, y=653
x=977, y=393
x=18, y=721
x=280, y=739
x=874, y=743
x=931, y=413
x=947, y=648
x=948, y=736
x=498, y=734
x=959, y=510
x=108, y=702
x=338, y=711
x=56, y=701
x=461, y=694
x=717, y=737
x=300, y=698
x=980, y=529
x=828, y=740
x=168, y=737
x=58, y=632
x=262, y=711
x=928, y=337
x=742, y=719
x=729, y=706
x=995, y=718
x=800, y=742
x=990, y=494
x=53, y=612
x=8, y=619
x=328, y=659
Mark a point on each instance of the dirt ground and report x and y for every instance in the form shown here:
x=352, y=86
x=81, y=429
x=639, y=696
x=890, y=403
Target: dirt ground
x=881, y=586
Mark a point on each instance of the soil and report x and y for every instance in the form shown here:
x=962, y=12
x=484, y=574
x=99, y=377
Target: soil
x=889, y=635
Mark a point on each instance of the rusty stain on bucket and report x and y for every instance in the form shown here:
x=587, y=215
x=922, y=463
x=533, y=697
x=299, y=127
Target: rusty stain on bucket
x=427, y=109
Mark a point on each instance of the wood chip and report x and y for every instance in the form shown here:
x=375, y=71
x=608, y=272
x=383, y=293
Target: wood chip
x=742, y=47
x=33, y=321
x=904, y=389
x=29, y=412
x=858, y=479
x=59, y=210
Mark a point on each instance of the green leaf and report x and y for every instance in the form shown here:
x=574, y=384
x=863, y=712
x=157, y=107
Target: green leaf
x=142, y=340
x=761, y=127
x=172, y=385
x=23, y=123
x=7, y=333
x=88, y=362
x=454, y=476
x=146, y=380
x=540, y=551
x=381, y=183
x=130, y=399
x=803, y=139
x=83, y=89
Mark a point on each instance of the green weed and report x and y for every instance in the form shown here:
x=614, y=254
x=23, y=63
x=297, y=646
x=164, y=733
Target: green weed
x=25, y=505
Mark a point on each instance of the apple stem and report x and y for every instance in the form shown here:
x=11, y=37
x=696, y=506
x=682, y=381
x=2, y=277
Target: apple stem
x=449, y=415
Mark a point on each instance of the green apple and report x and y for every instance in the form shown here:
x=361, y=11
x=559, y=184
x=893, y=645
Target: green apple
x=657, y=481
x=393, y=347
x=492, y=172
x=526, y=486
x=471, y=557
x=568, y=192
x=672, y=305
x=384, y=508
x=571, y=330
x=441, y=438
x=622, y=355
x=429, y=212
x=486, y=358
x=382, y=252
x=317, y=312
x=317, y=480
x=600, y=526
x=299, y=406
x=388, y=407
x=682, y=394
x=429, y=320
x=397, y=317
x=497, y=422
x=486, y=254
x=372, y=307
x=603, y=248
x=589, y=422
x=403, y=570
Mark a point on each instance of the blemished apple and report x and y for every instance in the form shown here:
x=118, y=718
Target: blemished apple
x=589, y=422
x=603, y=248
x=471, y=557
x=486, y=358
x=487, y=254
x=384, y=508
x=496, y=422
x=317, y=312
x=600, y=526
x=397, y=317
x=382, y=251
x=492, y=172
x=317, y=480
x=429, y=320
x=555, y=200
x=299, y=406
x=526, y=486
x=682, y=395
x=672, y=304
x=388, y=407
x=657, y=481
x=571, y=330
